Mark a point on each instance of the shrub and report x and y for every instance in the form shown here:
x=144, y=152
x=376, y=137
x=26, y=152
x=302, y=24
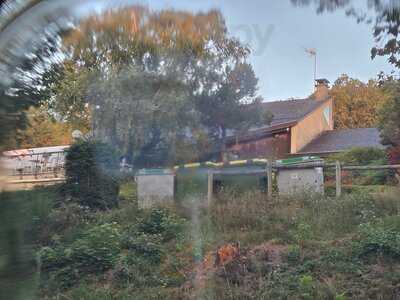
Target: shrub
x=293, y=254
x=375, y=239
x=96, y=251
x=365, y=156
x=91, y=169
x=144, y=246
x=133, y=252
x=360, y=156
x=128, y=191
x=306, y=286
x=63, y=222
x=163, y=222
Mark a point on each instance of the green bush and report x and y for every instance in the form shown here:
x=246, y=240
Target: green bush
x=63, y=223
x=21, y=214
x=131, y=252
x=365, y=156
x=292, y=254
x=144, y=246
x=96, y=251
x=90, y=170
x=163, y=222
x=376, y=239
x=360, y=156
x=306, y=286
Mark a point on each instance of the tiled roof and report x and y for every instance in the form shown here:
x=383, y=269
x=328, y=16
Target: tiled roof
x=290, y=110
x=344, y=139
x=286, y=113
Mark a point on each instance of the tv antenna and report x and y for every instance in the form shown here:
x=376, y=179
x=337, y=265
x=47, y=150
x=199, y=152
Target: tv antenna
x=312, y=52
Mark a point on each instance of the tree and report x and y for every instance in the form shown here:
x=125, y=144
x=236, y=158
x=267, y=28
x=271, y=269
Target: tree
x=229, y=102
x=356, y=104
x=144, y=115
x=23, y=81
x=12, y=116
x=139, y=73
x=389, y=119
x=90, y=171
x=44, y=130
x=65, y=94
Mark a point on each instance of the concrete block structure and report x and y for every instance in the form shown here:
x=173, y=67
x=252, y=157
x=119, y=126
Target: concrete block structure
x=155, y=187
x=292, y=181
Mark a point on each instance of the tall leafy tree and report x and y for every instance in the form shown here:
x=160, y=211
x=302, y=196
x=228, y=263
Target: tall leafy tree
x=356, y=103
x=150, y=77
x=389, y=119
x=42, y=130
x=229, y=102
x=145, y=115
x=23, y=80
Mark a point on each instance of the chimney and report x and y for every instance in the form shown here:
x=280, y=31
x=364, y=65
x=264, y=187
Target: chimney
x=321, y=89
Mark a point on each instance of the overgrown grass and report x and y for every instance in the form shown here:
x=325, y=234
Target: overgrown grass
x=334, y=248
x=21, y=214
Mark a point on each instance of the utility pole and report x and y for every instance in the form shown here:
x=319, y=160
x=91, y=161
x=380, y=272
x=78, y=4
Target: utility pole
x=313, y=53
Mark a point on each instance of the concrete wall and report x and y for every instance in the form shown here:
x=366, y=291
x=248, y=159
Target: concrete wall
x=311, y=127
x=300, y=180
x=155, y=189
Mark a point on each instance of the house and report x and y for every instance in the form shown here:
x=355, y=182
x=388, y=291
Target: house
x=300, y=127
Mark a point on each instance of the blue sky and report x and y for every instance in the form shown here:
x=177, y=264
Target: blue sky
x=279, y=60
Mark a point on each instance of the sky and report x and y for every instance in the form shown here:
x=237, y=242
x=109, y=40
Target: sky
x=278, y=33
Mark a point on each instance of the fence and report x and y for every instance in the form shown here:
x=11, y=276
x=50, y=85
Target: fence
x=35, y=166
x=272, y=167
x=30, y=169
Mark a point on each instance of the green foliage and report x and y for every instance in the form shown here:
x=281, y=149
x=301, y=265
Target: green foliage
x=22, y=213
x=132, y=251
x=140, y=88
x=63, y=223
x=125, y=252
x=160, y=221
x=306, y=286
x=389, y=115
x=43, y=130
x=364, y=156
x=128, y=191
x=303, y=233
x=145, y=247
x=375, y=239
x=293, y=254
x=68, y=89
x=340, y=297
x=90, y=171
x=96, y=251
x=223, y=108
x=12, y=116
x=361, y=156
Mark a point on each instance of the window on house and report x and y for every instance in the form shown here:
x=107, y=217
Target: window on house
x=327, y=114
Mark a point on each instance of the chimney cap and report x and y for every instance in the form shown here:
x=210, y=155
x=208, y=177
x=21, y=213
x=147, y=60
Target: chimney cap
x=322, y=81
